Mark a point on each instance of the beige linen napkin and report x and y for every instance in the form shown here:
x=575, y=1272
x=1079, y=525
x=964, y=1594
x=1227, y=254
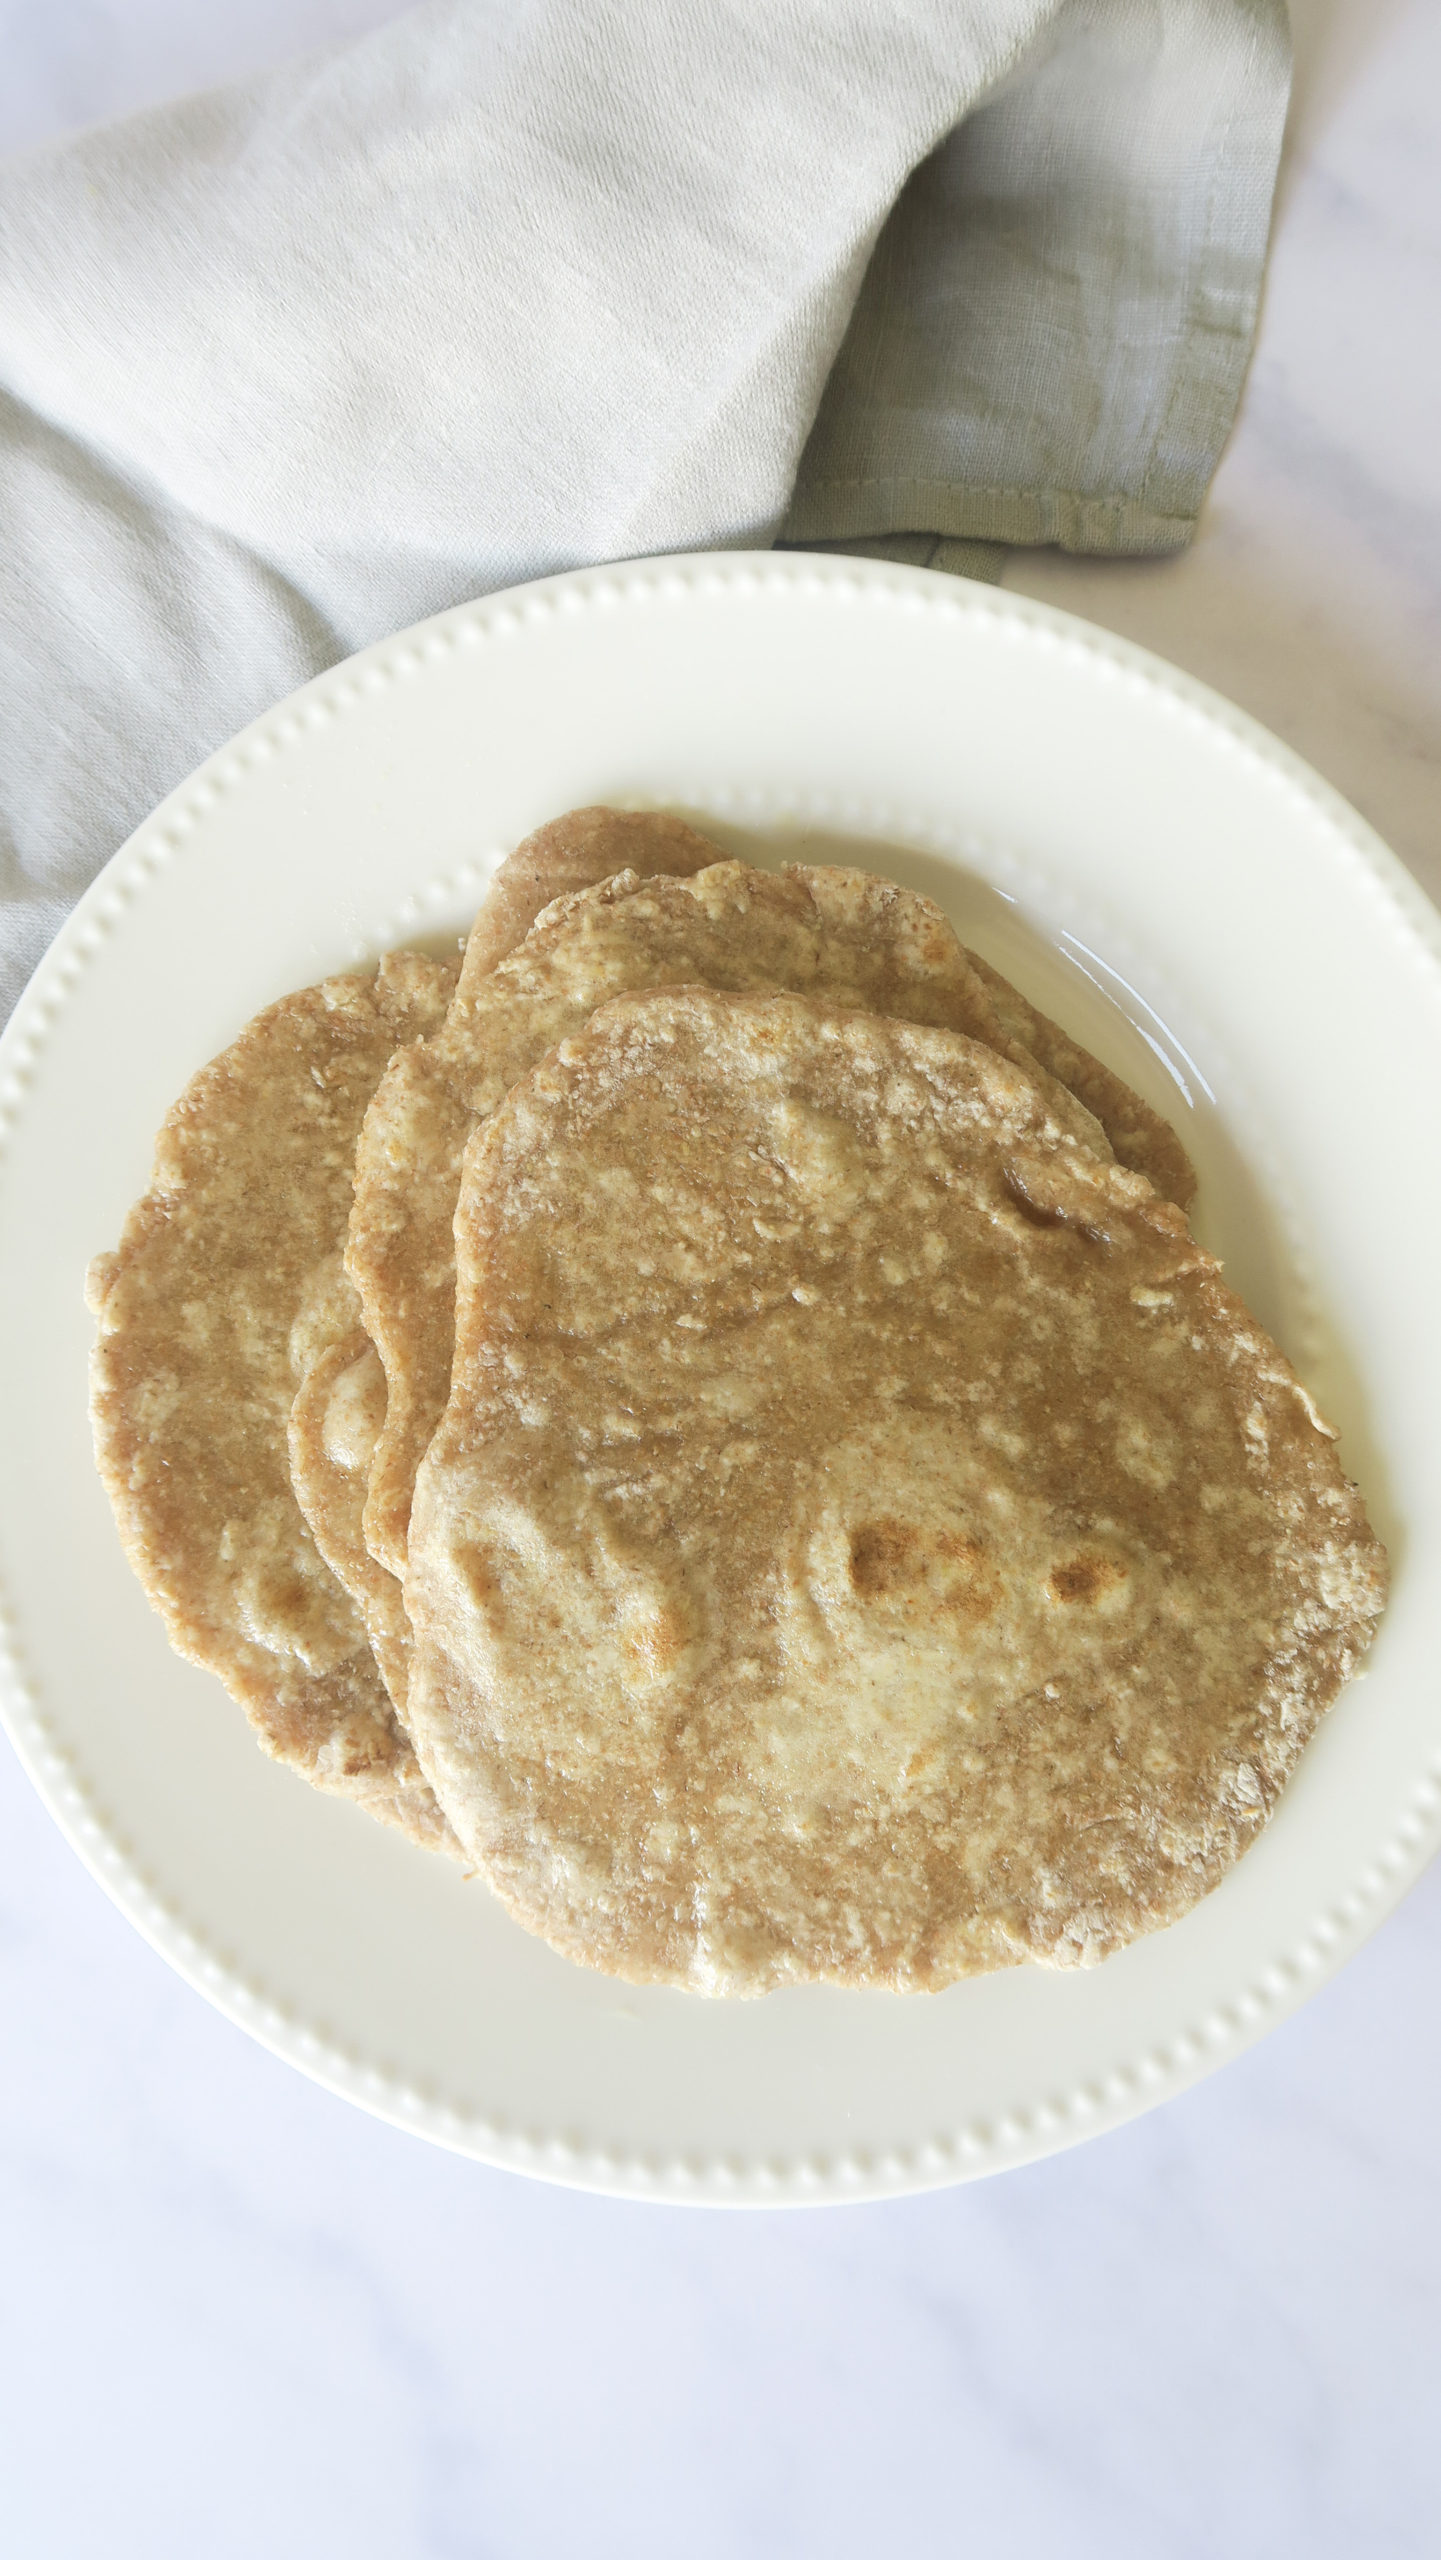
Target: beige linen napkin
x=513, y=285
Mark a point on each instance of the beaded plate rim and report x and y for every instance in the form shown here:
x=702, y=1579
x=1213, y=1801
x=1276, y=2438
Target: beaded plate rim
x=952, y=2154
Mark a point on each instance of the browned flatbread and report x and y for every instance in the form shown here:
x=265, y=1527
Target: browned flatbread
x=866, y=1542
x=329, y=1479
x=591, y=845
x=856, y=939
x=192, y=1380
x=1139, y=1137
x=334, y=1425
x=575, y=852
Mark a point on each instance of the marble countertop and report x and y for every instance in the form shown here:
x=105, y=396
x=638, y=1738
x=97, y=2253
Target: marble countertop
x=239, y=2317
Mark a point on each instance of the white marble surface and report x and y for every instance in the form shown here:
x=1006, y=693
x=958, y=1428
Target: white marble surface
x=238, y=2318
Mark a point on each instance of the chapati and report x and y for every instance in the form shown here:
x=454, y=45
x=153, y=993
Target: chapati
x=192, y=1381
x=859, y=940
x=866, y=1542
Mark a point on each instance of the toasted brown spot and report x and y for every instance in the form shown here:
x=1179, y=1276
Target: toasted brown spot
x=858, y=1779
x=656, y=1646
x=1085, y=1580
x=889, y=1557
x=886, y=1556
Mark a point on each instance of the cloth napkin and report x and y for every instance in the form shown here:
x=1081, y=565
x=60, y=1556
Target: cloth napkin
x=513, y=285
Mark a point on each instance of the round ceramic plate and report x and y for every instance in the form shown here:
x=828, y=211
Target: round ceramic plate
x=1158, y=872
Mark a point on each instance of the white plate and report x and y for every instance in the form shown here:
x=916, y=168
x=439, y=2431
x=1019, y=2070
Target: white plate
x=1155, y=868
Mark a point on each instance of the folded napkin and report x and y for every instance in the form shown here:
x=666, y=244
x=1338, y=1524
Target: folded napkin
x=513, y=285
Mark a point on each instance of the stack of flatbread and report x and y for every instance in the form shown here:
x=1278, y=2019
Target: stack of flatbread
x=711, y=1411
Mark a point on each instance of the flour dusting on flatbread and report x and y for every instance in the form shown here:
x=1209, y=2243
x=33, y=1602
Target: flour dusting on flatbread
x=192, y=1382
x=866, y=1541
x=846, y=935
x=335, y=1422
x=577, y=851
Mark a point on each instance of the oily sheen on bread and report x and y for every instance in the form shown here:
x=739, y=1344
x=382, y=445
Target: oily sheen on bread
x=866, y=1541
